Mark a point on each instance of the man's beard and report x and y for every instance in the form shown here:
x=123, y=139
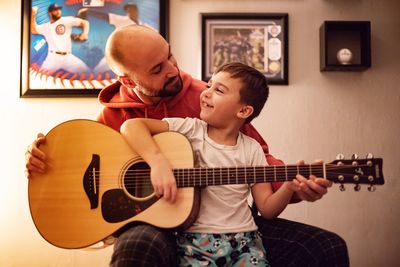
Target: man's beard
x=165, y=91
x=55, y=17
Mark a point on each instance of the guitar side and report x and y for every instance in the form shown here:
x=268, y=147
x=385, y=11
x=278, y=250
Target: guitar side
x=61, y=208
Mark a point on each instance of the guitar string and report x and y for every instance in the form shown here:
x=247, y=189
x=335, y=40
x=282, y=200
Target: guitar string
x=144, y=179
x=245, y=169
x=224, y=171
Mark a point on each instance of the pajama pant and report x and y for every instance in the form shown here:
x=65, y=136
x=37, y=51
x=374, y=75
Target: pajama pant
x=288, y=243
x=239, y=249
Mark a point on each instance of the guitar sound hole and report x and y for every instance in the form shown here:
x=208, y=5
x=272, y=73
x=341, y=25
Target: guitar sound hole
x=137, y=180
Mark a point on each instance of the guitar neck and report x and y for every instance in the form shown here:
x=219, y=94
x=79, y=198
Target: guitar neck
x=191, y=177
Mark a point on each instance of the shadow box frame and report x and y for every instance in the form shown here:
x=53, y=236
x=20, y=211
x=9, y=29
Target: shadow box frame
x=256, y=39
x=37, y=81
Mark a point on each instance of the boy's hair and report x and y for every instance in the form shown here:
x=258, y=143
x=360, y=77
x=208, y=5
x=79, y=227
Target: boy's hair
x=254, y=91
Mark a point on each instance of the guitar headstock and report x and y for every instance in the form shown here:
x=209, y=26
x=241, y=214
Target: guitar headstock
x=356, y=171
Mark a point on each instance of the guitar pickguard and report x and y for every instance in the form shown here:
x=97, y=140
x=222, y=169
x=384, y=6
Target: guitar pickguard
x=116, y=206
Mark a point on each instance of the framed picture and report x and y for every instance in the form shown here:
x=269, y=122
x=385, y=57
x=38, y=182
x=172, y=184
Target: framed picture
x=63, y=42
x=259, y=40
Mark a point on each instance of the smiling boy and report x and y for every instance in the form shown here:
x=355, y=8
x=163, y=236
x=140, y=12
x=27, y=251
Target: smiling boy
x=234, y=96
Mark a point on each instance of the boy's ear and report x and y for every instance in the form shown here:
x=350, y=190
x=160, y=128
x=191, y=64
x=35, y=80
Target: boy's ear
x=245, y=112
x=128, y=82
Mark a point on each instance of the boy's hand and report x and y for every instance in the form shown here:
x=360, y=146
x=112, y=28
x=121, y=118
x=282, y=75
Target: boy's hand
x=163, y=180
x=313, y=188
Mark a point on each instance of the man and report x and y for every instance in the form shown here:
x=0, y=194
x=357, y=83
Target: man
x=150, y=84
x=57, y=33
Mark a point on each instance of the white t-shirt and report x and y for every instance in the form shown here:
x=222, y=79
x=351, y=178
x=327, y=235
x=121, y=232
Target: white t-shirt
x=223, y=208
x=58, y=34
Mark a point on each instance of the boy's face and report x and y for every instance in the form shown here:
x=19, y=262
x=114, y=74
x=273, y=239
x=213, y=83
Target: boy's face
x=220, y=102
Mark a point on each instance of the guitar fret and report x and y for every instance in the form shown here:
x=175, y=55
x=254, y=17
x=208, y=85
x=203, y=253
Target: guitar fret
x=206, y=177
x=265, y=177
x=213, y=176
x=178, y=178
x=275, y=173
x=237, y=178
x=286, y=173
x=236, y=172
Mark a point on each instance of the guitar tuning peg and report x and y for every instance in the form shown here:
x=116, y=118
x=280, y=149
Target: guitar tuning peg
x=342, y=188
x=371, y=188
x=354, y=156
x=357, y=187
x=370, y=156
x=340, y=156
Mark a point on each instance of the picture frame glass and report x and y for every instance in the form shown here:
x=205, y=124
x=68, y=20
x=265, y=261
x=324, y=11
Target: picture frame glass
x=59, y=60
x=258, y=40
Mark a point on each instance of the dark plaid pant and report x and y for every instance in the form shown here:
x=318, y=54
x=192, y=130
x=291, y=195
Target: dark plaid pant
x=287, y=244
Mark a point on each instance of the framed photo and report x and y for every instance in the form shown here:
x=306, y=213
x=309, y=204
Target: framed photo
x=259, y=40
x=63, y=42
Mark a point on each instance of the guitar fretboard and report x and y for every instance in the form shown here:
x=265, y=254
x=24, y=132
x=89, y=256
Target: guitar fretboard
x=191, y=177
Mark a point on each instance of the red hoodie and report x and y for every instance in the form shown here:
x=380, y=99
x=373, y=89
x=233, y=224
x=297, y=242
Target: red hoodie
x=121, y=104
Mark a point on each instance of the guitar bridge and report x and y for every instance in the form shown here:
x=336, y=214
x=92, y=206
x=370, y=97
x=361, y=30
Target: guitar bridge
x=91, y=181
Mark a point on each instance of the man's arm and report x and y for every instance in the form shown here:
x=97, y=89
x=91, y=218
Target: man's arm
x=84, y=12
x=138, y=133
x=34, y=157
x=84, y=24
x=33, y=20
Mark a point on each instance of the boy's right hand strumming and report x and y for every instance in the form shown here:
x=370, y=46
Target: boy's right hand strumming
x=163, y=179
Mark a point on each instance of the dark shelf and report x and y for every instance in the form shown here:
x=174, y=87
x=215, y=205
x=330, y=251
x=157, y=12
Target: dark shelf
x=353, y=35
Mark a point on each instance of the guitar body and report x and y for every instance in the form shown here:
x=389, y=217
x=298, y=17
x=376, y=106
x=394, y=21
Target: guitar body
x=86, y=195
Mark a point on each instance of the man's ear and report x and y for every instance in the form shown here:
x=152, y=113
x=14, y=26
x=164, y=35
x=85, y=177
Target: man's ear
x=128, y=82
x=245, y=112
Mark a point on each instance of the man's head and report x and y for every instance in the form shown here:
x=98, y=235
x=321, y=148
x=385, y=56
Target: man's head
x=143, y=61
x=54, y=11
x=249, y=84
x=132, y=11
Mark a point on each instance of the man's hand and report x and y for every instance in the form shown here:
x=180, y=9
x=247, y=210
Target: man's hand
x=82, y=13
x=34, y=157
x=79, y=37
x=34, y=10
x=313, y=188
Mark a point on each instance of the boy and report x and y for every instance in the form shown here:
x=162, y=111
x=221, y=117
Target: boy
x=224, y=232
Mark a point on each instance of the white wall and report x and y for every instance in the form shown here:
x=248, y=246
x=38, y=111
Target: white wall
x=317, y=116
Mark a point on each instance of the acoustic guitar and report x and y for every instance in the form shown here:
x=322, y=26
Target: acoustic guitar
x=95, y=184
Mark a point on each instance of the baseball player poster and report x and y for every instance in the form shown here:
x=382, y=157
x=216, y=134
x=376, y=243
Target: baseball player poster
x=64, y=42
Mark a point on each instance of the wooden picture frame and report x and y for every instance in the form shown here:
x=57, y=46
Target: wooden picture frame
x=55, y=67
x=257, y=39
